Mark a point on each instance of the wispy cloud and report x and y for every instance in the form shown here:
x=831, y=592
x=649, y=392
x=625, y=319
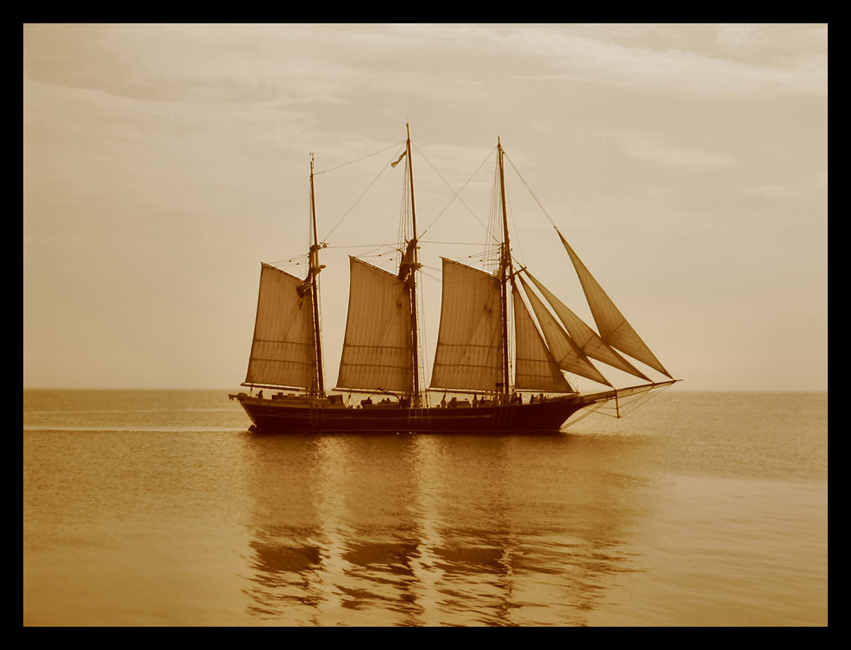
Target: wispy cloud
x=656, y=150
x=606, y=56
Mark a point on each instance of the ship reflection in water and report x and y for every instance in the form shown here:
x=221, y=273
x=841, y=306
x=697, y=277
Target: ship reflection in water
x=436, y=530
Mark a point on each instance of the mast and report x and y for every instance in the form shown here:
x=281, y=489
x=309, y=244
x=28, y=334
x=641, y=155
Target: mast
x=315, y=268
x=381, y=346
x=411, y=260
x=504, y=275
x=286, y=350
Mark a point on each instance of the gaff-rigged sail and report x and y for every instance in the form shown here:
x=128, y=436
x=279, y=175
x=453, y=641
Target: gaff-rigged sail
x=535, y=368
x=613, y=327
x=377, y=348
x=469, y=345
x=566, y=352
x=282, y=352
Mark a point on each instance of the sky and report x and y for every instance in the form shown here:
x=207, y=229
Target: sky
x=686, y=165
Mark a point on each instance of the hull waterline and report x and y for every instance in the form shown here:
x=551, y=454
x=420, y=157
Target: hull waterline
x=273, y=416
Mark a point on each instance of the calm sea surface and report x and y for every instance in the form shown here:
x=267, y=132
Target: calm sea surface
x=159, y=508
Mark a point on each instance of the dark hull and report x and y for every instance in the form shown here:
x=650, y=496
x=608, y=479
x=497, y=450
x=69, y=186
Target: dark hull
x=273, y=416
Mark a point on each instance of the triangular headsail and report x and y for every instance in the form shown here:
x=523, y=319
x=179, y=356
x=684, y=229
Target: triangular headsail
x=535, y=368
x=613, y=327
x=567, y=353
x=586, y=338
x=282, y=351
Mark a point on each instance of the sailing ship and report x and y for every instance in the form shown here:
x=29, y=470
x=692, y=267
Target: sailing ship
x=488, y=346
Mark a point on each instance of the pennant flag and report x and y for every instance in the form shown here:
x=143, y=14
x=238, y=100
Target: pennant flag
x=400, y=159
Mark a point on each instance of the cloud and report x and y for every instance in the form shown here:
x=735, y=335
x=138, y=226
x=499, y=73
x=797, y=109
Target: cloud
x=654, y=149
x=597, y=55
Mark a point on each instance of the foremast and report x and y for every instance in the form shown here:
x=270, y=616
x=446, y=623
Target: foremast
x=487, y=341
x=615, y=331
x=559, y=350
x=505, y=275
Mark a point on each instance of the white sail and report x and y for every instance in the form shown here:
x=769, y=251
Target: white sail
x=469, y=345
x=534, y=367
x=586, y=338
x=567, y=353
x=377, y=348
x=282, y=352
x=613, y=327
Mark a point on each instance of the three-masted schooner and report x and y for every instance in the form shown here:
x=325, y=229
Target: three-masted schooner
x=480, y=312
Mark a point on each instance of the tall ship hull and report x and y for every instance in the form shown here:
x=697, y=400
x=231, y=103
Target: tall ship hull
x=278, y=416
x=503, y=338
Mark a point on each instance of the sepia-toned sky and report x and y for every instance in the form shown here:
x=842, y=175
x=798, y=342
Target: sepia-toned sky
x=685, y=164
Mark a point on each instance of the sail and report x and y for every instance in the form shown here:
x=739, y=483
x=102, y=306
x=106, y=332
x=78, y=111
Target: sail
x=469, y=344
x=377, y=348
x=585, y=338
x=613, y=327
x=534, y=368
x=567, y=353
x=282, y=352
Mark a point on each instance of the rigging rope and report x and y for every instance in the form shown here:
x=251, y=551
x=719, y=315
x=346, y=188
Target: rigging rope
x=456, y=194
x=531, y=192
x=354, y=161
x=383, y=168
x=516, y=231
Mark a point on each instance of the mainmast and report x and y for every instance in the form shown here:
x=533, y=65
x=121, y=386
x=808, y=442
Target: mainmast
x=407, y=271
x=315, y=268
x=505, y=273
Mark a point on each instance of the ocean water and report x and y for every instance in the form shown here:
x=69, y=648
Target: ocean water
x=159, y=508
